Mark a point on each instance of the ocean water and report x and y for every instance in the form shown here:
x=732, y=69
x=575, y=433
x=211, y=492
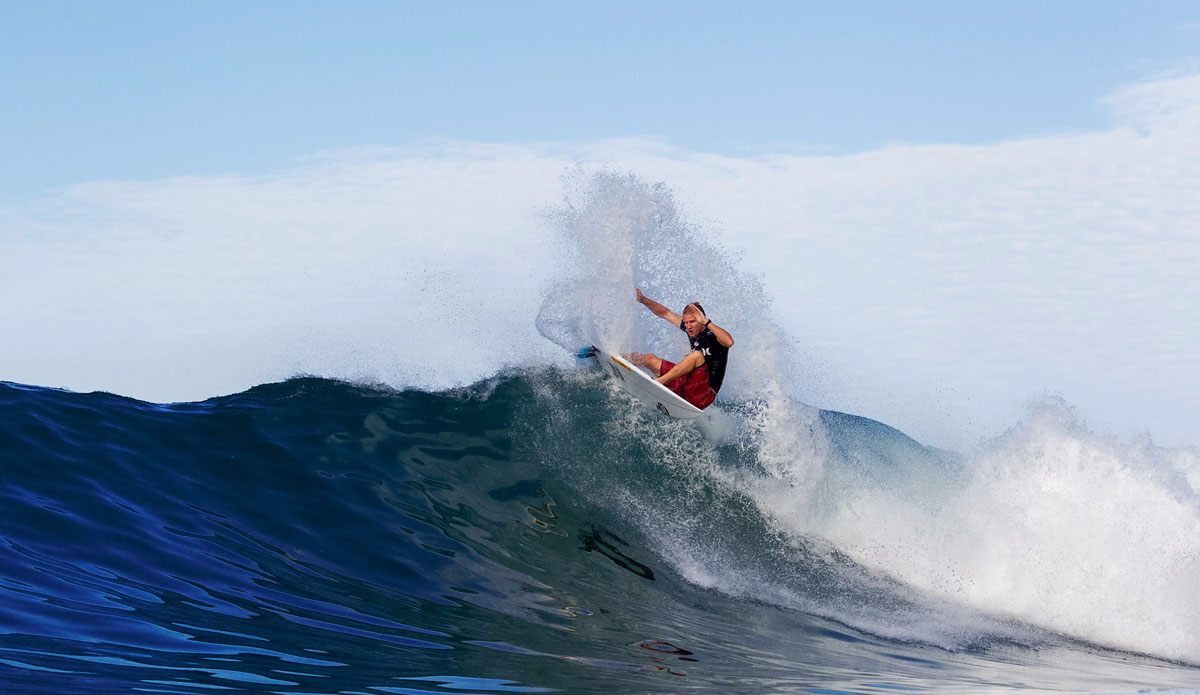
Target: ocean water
x=537, y=532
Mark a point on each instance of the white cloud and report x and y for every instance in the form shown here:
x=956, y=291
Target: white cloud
x=938, y=286
x=1169, y=103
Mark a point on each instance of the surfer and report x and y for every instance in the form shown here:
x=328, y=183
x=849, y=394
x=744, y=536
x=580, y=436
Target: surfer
x=698, y=376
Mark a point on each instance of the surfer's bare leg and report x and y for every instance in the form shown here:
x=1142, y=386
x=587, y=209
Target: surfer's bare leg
x=685, y=366
x=651, y=362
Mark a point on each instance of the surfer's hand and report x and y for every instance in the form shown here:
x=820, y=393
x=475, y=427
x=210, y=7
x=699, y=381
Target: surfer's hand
x=641, y=298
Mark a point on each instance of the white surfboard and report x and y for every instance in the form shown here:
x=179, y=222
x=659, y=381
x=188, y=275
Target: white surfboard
x=639, y=384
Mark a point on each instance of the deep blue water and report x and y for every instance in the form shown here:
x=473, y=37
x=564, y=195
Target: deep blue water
x=529, y=534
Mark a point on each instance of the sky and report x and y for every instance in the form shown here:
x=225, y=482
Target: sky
x=136, y=90
x=959, y=209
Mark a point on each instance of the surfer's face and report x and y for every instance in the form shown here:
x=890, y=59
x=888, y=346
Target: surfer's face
x=693, y=323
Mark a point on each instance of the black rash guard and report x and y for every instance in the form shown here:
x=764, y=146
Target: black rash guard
x=716, y=355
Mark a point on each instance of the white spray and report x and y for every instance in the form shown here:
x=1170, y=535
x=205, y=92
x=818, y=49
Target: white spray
x=1050, y=524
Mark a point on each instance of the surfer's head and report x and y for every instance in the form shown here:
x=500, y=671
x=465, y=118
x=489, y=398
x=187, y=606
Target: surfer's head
x=694, y=319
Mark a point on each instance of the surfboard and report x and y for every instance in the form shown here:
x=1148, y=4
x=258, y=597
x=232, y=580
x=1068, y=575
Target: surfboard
x=639, y=384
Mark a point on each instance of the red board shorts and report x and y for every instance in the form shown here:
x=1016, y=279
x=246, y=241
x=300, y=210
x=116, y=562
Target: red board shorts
x=692, y=387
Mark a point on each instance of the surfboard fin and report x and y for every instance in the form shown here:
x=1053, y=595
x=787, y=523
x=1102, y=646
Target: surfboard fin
x=586, y=352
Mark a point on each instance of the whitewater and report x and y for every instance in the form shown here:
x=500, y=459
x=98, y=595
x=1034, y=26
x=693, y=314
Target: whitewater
x=1048, y=523
x=538, y=531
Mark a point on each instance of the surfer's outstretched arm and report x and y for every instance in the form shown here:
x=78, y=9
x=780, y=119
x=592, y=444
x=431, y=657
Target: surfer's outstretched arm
x=658, y=309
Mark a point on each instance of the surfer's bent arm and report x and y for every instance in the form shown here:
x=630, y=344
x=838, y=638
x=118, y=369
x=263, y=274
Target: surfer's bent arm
x=658, y=309
x=721, y=334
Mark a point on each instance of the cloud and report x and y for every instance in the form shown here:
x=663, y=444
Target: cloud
x=1169, y=103
x=937, y=286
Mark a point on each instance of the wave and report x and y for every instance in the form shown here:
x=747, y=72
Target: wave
x=539, y=522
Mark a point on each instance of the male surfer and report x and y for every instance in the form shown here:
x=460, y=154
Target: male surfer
x=698, y=376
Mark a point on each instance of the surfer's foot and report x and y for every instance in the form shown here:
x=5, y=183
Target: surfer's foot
x=651, y=362
x=589, y=351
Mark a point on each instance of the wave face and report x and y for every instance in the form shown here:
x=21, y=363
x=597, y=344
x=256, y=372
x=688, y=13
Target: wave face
x=541, y=532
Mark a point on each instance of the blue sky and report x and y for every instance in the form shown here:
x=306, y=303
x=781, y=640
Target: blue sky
x=134, y=90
